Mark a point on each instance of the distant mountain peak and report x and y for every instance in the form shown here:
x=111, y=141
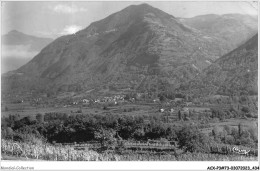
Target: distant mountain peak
x=25, y=47
x=143, y=8
x=126, y=17
x=14, y=32
x=143, y=5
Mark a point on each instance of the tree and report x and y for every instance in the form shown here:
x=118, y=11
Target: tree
x=192, y=140
x=186, y=115
x=245, y=109
x=28, y=120
x=229, y=140
x=253, y=132
x=171, y=133
x=234, y=133
x=65, y=116
x=9, y=133
x=216, y=133
x=162, y=98
x=3, y=133
x=240, y=129
x=127, y=97
x=106, y=138
x=228, y=129
x=221, y=115
x=246, y=140
x=40, y=118
x=139, y=133
x=179, y=115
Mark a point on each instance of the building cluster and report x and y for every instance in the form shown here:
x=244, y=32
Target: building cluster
x=107, y=99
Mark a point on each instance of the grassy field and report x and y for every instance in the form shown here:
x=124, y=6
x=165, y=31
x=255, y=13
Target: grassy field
x=233, y=123
x=24, y=109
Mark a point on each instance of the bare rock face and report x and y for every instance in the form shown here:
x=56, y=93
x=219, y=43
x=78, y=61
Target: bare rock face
x=129, y=49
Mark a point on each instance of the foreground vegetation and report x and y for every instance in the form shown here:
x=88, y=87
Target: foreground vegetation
x=43, y=137
x=65, y=153
x=207, y=130
x=46, y=152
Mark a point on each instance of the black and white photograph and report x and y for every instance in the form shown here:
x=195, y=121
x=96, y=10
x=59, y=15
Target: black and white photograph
x=129, y=81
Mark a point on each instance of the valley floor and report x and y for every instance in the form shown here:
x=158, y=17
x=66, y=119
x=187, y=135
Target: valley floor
x=55, y=132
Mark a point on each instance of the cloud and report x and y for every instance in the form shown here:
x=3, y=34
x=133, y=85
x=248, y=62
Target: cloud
x=19, y=51
x=70, y=9
x=71, y=29
x=47, y=34
x=14, y=56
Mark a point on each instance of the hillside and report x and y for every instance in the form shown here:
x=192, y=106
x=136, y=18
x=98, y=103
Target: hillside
x=234, y=73
x=232, y=29
x=136, y=48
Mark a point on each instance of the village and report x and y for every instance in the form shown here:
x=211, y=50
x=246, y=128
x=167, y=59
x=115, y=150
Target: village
x=171, y=110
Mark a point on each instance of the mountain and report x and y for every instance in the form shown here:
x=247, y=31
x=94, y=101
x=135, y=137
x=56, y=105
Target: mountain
x=234, y=73
x=15, y=37
x=137, y=47
x=19, y=48
x=232, y=29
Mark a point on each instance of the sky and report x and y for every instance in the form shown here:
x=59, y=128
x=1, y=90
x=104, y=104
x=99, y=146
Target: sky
x=54, y=19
